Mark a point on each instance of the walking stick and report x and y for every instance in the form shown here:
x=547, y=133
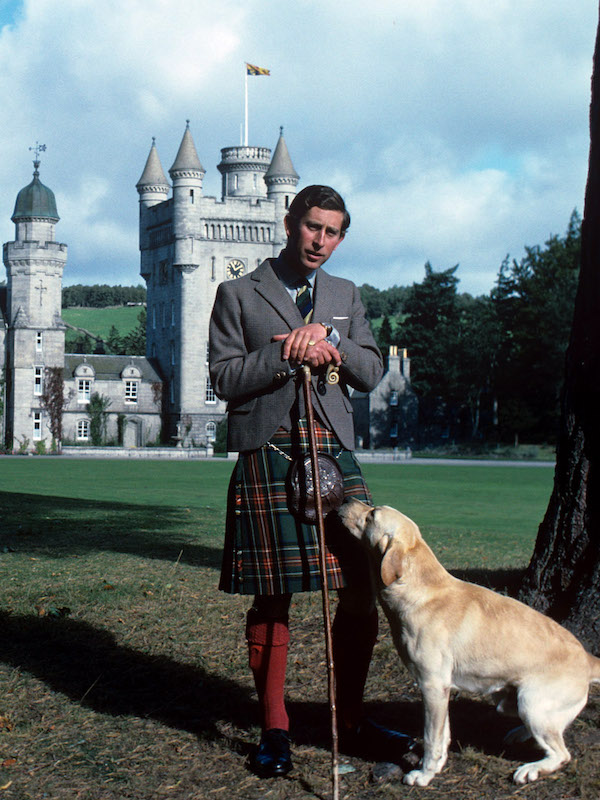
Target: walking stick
x=323, y=572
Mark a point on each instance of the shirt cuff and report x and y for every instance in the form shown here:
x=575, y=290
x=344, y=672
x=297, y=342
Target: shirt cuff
x=334, y=337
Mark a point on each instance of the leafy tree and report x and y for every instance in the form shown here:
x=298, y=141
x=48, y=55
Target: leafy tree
x=385, y=335
x=54, y=402
x=430, y=332
x=534, y=300
x=97, y=411
x=479, y=337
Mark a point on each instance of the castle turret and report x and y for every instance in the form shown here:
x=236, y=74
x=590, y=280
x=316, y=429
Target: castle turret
x=186, y=173
x=153, y=186
x=281, y=180
x=243, y=169
x=36, y=335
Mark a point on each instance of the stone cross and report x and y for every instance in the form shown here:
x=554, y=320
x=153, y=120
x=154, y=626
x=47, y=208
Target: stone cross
x=41, y=289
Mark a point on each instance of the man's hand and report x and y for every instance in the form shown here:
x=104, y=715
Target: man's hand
x=307, y=345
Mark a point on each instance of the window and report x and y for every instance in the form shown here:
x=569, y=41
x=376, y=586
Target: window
x=192, y=196
x=172, y=313
x=207, y=353
x=84, y=390
x=83, y=430
x=38, y=341
x=131, y=391
x=209, y=394
x=211, y=431
x=394, y=397
x=172, y=352
x=38, y=380
x=37, y=426
x=394, y=431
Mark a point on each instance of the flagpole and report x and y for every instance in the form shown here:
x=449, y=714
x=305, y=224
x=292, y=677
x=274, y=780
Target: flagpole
x=246, y=107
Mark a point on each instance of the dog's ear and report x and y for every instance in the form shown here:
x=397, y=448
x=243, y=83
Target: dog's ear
x=396, y=545
x=391, y=563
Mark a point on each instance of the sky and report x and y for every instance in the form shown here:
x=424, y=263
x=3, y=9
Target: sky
x=457, y=132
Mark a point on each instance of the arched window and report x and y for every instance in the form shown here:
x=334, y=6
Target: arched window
x=211, y=431
x=83, y=430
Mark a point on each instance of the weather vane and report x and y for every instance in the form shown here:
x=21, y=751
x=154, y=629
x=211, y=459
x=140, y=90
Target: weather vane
x=39, y=148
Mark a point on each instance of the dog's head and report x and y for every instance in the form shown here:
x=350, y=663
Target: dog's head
x=387, y=533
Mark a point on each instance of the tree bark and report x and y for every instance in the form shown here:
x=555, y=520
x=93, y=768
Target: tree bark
x=563, y=577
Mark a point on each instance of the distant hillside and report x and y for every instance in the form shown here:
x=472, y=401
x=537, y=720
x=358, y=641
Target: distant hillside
x=99, y=321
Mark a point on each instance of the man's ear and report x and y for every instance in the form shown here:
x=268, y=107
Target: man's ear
x=289, y=223
x=391, y=563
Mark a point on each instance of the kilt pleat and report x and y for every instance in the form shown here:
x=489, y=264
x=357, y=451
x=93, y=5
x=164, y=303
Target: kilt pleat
x=267, y=550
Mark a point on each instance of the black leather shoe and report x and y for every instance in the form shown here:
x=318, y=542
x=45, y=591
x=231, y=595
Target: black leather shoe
x=273, y=755
x=373, y=742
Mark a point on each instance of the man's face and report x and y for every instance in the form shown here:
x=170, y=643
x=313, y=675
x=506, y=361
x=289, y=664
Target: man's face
x=314, y=238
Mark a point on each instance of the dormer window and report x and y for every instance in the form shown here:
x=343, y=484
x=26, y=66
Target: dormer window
x=131, y=391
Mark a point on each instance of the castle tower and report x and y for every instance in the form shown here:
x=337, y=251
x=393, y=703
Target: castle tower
x=189, y=244
x=281, y=179
x=243, y=169
x=36, y=334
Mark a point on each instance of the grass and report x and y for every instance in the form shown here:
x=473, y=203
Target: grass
x=100, y=320
x=123, y=670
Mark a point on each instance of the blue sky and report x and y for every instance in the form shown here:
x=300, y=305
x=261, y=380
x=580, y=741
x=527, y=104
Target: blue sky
x=457, y=132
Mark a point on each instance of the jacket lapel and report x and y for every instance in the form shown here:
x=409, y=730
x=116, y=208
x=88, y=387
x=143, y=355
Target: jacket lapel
x=324, y=297
x=269, y=287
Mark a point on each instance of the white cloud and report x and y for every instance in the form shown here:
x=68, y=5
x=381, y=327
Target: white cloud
x=458, y=131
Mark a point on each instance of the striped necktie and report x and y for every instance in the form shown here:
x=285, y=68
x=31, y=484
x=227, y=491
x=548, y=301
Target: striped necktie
x=304, y=301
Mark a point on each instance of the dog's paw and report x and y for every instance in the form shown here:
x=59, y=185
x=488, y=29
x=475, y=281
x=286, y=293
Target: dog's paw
x=417, y=778
x=517, y=735
x=527, y=773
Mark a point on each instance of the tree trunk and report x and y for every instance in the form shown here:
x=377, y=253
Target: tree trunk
x=563, y=577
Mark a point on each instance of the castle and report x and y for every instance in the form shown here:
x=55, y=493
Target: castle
x=189, y=243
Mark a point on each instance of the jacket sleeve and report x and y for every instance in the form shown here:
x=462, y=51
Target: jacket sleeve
x=236, y=374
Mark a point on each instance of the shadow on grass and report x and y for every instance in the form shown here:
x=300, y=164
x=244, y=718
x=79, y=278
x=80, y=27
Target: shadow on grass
x=62, y=526
x=505, y=581
x=87, y=665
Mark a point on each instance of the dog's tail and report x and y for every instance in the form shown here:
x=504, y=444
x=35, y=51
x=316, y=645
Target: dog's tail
x=594, y=668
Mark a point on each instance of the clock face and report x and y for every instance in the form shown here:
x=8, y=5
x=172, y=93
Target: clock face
x=235, y=268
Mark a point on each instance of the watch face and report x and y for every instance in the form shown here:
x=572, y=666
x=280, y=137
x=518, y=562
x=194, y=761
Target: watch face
x=235, y=268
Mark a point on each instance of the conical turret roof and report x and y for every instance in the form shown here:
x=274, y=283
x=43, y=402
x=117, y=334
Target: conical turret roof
x=281, y=164
x=187, y=157
x=153, y=174
x=35, y=200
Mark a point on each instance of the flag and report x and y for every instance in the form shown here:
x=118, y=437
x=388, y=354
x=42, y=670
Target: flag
x=252, y=70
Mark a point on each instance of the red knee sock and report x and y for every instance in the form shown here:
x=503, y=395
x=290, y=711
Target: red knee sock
x=267, y=654
x=353, y=640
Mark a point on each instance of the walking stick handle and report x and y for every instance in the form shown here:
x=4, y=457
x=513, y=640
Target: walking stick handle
x=314, y=459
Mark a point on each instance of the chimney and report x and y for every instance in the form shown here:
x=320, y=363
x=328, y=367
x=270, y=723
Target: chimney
x=393, y=360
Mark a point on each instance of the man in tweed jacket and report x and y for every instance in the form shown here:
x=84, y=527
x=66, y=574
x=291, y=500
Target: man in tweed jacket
x=263, y=328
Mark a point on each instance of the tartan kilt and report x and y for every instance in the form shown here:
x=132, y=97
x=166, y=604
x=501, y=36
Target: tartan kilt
x=267, y=550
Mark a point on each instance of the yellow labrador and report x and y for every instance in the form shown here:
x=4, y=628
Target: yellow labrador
x=455, y=635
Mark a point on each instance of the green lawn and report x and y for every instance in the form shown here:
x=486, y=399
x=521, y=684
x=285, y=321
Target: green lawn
x=124, y=671
x=471, y=516
x=100, y=320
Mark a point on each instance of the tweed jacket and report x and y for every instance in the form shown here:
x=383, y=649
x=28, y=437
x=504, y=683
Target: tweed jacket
x=246, y=367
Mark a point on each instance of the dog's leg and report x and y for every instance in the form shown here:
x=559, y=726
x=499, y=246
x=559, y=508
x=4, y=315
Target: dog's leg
x=436, y=738
x=546, y=712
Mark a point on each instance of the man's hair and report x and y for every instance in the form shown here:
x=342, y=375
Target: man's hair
x=322, y=197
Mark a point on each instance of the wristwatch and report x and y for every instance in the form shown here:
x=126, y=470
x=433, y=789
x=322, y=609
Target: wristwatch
x=328, y=328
